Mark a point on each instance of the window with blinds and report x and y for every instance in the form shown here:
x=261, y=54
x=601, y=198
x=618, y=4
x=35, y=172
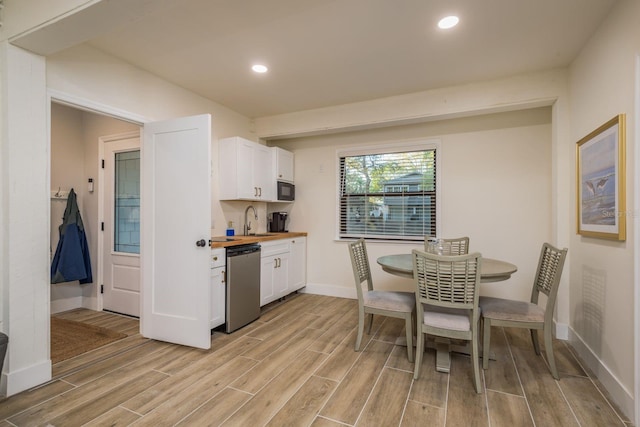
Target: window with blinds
x=388, y=195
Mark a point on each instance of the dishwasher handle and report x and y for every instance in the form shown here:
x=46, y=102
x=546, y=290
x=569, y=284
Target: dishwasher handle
x=242, y=249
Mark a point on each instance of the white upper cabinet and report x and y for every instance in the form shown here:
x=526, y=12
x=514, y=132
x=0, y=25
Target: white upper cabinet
x=282, y=164
x=263, y=172
x=245, y=170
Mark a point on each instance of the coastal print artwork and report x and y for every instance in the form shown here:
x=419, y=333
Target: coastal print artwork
x=601, y=182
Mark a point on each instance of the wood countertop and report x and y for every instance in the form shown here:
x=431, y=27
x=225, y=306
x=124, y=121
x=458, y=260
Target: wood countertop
x=223, y=241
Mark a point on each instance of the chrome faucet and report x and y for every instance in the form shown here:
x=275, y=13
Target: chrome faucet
x=247, y=224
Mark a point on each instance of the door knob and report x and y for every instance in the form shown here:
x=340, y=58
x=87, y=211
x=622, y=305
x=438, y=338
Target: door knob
x=201, y=243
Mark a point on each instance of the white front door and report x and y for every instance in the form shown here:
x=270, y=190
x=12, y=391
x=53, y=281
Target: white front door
x=121, y=236
x=176, y=227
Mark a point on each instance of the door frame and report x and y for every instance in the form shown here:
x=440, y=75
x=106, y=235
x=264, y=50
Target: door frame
x=100, y=254
x=83, y=104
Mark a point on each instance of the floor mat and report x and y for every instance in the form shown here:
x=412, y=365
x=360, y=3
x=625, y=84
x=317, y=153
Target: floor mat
x=70, y=338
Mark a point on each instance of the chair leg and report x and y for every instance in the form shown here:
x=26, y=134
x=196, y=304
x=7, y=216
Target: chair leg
x=475, y=364
x=360, y=328
x=370, y=324
x=548, y=346
x=408, y=321
x=419, y=351
x=534, y=340
x=486, y=339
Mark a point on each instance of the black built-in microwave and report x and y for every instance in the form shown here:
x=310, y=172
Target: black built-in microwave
x=286, y=191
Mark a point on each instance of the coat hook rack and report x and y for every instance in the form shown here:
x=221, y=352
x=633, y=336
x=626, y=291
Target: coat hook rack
x=60, y=194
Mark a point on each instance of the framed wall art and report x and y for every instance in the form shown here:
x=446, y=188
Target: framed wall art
x=600, y=170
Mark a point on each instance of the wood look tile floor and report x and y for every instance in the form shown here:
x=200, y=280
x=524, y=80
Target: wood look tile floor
x=296, y=366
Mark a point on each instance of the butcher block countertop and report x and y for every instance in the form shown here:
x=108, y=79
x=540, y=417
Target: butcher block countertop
x=224, y=242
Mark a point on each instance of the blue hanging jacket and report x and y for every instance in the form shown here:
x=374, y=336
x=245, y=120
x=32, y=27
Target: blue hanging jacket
x=71, y=261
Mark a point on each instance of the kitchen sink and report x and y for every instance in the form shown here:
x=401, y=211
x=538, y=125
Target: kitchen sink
x=223, y=239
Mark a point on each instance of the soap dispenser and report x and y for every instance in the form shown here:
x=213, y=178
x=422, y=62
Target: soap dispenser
x=230, y=230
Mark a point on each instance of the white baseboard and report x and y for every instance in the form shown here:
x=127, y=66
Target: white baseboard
x=330, y=290
x=562, y=331
x=618, y=392
x=66, y=304
x=91, y=303
x=31, y=376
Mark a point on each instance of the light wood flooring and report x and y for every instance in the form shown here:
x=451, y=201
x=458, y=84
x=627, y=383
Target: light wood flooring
x=296, y=366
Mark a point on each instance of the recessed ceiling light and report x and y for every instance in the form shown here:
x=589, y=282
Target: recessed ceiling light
x=448, y=22
x=258, y=68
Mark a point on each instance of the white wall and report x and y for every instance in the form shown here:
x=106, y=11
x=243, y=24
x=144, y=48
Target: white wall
x=603, y=84
x=507, y=94
x=547, y=88
x=495, y=183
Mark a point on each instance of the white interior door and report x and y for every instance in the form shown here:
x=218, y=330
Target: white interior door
x=121, y=235
x=176, y=224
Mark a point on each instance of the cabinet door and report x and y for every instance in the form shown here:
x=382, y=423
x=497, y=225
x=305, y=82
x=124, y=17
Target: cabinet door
x=245, y=170
x=262, y=172
x=281, y=276
x=267, y=278
x=284, y=164
x=217, y=297
x=298, y=264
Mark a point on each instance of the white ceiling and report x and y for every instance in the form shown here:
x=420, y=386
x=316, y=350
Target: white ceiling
x=330, y=52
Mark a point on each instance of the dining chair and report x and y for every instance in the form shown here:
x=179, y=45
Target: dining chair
x=456, y=246
x=529, y=315
x=447, y=302
x=387, y=303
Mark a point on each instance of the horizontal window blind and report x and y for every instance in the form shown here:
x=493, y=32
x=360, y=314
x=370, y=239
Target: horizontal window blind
x=388, y=195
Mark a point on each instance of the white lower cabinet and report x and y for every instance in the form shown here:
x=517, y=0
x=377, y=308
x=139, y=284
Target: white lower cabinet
x=298, y=263
x=282, y=269
x=273, y=271
x=218, y=287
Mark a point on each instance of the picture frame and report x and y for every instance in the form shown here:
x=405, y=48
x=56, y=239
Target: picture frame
x=600, y=172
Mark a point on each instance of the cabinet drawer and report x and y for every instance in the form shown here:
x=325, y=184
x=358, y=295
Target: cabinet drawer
x=218, y=258
x=274, y=247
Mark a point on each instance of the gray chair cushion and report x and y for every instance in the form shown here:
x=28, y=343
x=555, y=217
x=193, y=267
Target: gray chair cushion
x=510, y=310
x=402, y=302
x=446, y=318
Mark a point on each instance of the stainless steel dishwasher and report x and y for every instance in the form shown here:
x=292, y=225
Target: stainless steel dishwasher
x=243, y=286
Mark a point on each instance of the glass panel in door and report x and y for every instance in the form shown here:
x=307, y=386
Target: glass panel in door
x=127, y=202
